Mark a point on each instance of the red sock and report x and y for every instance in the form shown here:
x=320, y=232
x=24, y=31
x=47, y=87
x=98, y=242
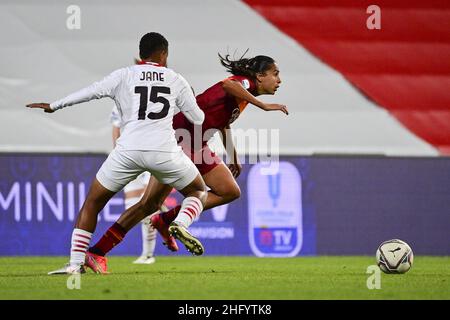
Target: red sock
x=170, y=215
x=112, y=237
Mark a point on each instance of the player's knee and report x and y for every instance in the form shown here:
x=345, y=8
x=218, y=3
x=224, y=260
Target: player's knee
x=233, y=193
x=230, y=193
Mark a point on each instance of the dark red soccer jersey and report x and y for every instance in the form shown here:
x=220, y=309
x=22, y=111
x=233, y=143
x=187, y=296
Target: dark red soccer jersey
x=220, y=108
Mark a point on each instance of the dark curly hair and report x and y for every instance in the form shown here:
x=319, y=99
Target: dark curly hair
x=248, y=67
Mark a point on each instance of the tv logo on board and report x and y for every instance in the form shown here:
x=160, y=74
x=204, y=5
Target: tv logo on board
x=275, y=211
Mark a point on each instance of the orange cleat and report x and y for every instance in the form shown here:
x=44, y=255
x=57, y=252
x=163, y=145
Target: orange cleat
x=163, y=228
x=97, y=263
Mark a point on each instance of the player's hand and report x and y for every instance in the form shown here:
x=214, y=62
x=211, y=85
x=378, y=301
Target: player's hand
x=44, y=106
x=235, y=169
x=275, y=106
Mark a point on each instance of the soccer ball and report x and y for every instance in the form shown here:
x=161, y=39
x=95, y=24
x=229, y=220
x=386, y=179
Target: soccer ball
x=394, y=256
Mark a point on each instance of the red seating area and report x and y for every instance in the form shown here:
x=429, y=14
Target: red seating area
x=404, y=67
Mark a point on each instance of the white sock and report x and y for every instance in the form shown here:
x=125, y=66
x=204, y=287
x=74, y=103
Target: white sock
x=189, y=211
x=80, y=243
x=148, y=238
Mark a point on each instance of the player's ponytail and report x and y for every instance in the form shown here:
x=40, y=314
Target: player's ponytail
x=247, y=67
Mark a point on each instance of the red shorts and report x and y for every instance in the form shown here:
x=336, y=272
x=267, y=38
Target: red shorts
x=205, y=159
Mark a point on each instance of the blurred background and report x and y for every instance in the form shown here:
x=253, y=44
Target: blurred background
x=363, y=152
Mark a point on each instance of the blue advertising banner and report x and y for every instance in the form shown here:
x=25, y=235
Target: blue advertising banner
x=40, y=196
x=309, y=205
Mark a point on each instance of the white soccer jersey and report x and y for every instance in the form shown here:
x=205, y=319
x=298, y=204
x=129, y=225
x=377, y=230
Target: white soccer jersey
x=145, y=96
x=116, y=121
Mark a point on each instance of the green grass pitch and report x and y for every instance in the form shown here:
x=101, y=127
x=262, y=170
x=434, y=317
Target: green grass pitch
x=188, y=278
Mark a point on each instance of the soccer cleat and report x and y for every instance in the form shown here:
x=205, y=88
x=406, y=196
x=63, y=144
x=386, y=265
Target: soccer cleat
x=69, y=269
x=158, y=223
x=145, y=260
x=97, y=263
x=192, y=244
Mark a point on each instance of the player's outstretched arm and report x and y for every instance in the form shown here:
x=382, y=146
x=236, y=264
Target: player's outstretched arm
x=235, y=89
x=103, y=88
x=42, y=105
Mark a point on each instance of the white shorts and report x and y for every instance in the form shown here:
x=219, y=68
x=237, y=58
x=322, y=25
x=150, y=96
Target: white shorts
x=121, y=167
x=139, y=183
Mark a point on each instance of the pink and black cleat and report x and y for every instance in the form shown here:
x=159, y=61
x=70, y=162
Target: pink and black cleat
x=163, y=228
x=97, y=263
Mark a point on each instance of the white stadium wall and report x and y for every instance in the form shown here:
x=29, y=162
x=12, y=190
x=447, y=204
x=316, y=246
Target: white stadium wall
x=42, y=60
